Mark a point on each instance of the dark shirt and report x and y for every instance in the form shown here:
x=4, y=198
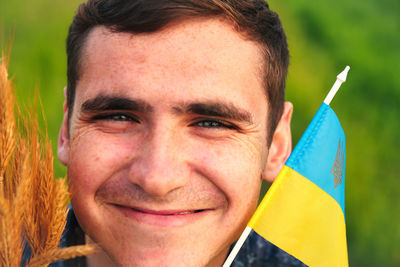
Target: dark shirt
x=255, y=252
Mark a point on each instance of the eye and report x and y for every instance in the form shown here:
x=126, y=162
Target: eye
x=214, y=124
x=116, y=122
x=117, y=117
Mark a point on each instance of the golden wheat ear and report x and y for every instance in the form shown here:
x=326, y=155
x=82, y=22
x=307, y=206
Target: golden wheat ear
x=33, y=204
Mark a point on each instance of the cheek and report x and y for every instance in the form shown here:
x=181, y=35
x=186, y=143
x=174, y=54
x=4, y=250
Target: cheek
x=94, y=158
x=235, y=168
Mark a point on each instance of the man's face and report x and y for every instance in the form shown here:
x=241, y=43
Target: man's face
x=167, y=142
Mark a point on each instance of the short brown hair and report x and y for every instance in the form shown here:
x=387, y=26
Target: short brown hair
x=251, y=17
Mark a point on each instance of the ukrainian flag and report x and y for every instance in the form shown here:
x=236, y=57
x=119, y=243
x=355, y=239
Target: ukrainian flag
x=303, y=211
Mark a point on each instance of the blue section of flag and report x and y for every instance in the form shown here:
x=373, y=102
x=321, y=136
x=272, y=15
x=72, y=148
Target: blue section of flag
x=321, y=157
x=259, y=252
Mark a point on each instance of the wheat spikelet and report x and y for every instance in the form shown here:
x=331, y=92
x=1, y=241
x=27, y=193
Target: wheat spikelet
x=7, y=120
x=10, y=218
x=32, y=224
x=33, y=205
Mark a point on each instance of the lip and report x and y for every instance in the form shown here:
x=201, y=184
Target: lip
x=162, y=218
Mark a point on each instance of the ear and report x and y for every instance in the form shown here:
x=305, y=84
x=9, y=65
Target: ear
x=281, y=145
x=63, y=138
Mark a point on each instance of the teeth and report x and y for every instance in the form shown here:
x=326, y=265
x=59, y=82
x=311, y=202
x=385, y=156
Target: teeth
x=185, y=212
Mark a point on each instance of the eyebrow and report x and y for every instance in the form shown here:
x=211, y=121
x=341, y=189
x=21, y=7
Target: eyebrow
x=104, y=103
x=215, y=109
x=218, y=109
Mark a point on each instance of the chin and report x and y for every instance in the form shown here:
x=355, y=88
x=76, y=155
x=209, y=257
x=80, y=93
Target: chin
x=165, y=256
x=162, y=258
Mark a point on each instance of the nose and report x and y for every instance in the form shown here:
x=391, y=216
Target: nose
x=160, y=166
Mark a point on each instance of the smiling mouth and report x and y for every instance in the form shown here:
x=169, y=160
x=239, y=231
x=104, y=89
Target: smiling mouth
x=162, y=218
x=163, y=212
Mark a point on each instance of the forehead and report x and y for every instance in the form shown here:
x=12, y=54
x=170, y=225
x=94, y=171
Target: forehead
x=200, y=53
x=198, y=38
x=218, y=33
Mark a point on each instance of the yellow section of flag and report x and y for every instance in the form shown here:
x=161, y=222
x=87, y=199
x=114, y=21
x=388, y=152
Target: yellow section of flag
x=302, y=219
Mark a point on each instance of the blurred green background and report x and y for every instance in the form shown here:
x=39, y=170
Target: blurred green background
x=324, y=36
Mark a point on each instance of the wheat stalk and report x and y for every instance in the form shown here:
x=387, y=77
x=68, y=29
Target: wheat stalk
x=10, y=219
x=61, y=254
x=7, y=120
x=33, y=205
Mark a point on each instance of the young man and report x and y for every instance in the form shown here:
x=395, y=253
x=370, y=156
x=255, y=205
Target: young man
x=174, y=114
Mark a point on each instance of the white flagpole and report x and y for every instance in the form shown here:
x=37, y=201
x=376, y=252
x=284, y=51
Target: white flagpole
x=237, y=247
x=341, y=78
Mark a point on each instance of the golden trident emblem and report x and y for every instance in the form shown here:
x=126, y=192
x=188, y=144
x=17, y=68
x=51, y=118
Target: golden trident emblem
x=337, y=168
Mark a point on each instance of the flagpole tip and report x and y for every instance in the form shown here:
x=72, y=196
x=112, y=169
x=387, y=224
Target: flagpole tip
x=341, y=78
x=343, y=75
